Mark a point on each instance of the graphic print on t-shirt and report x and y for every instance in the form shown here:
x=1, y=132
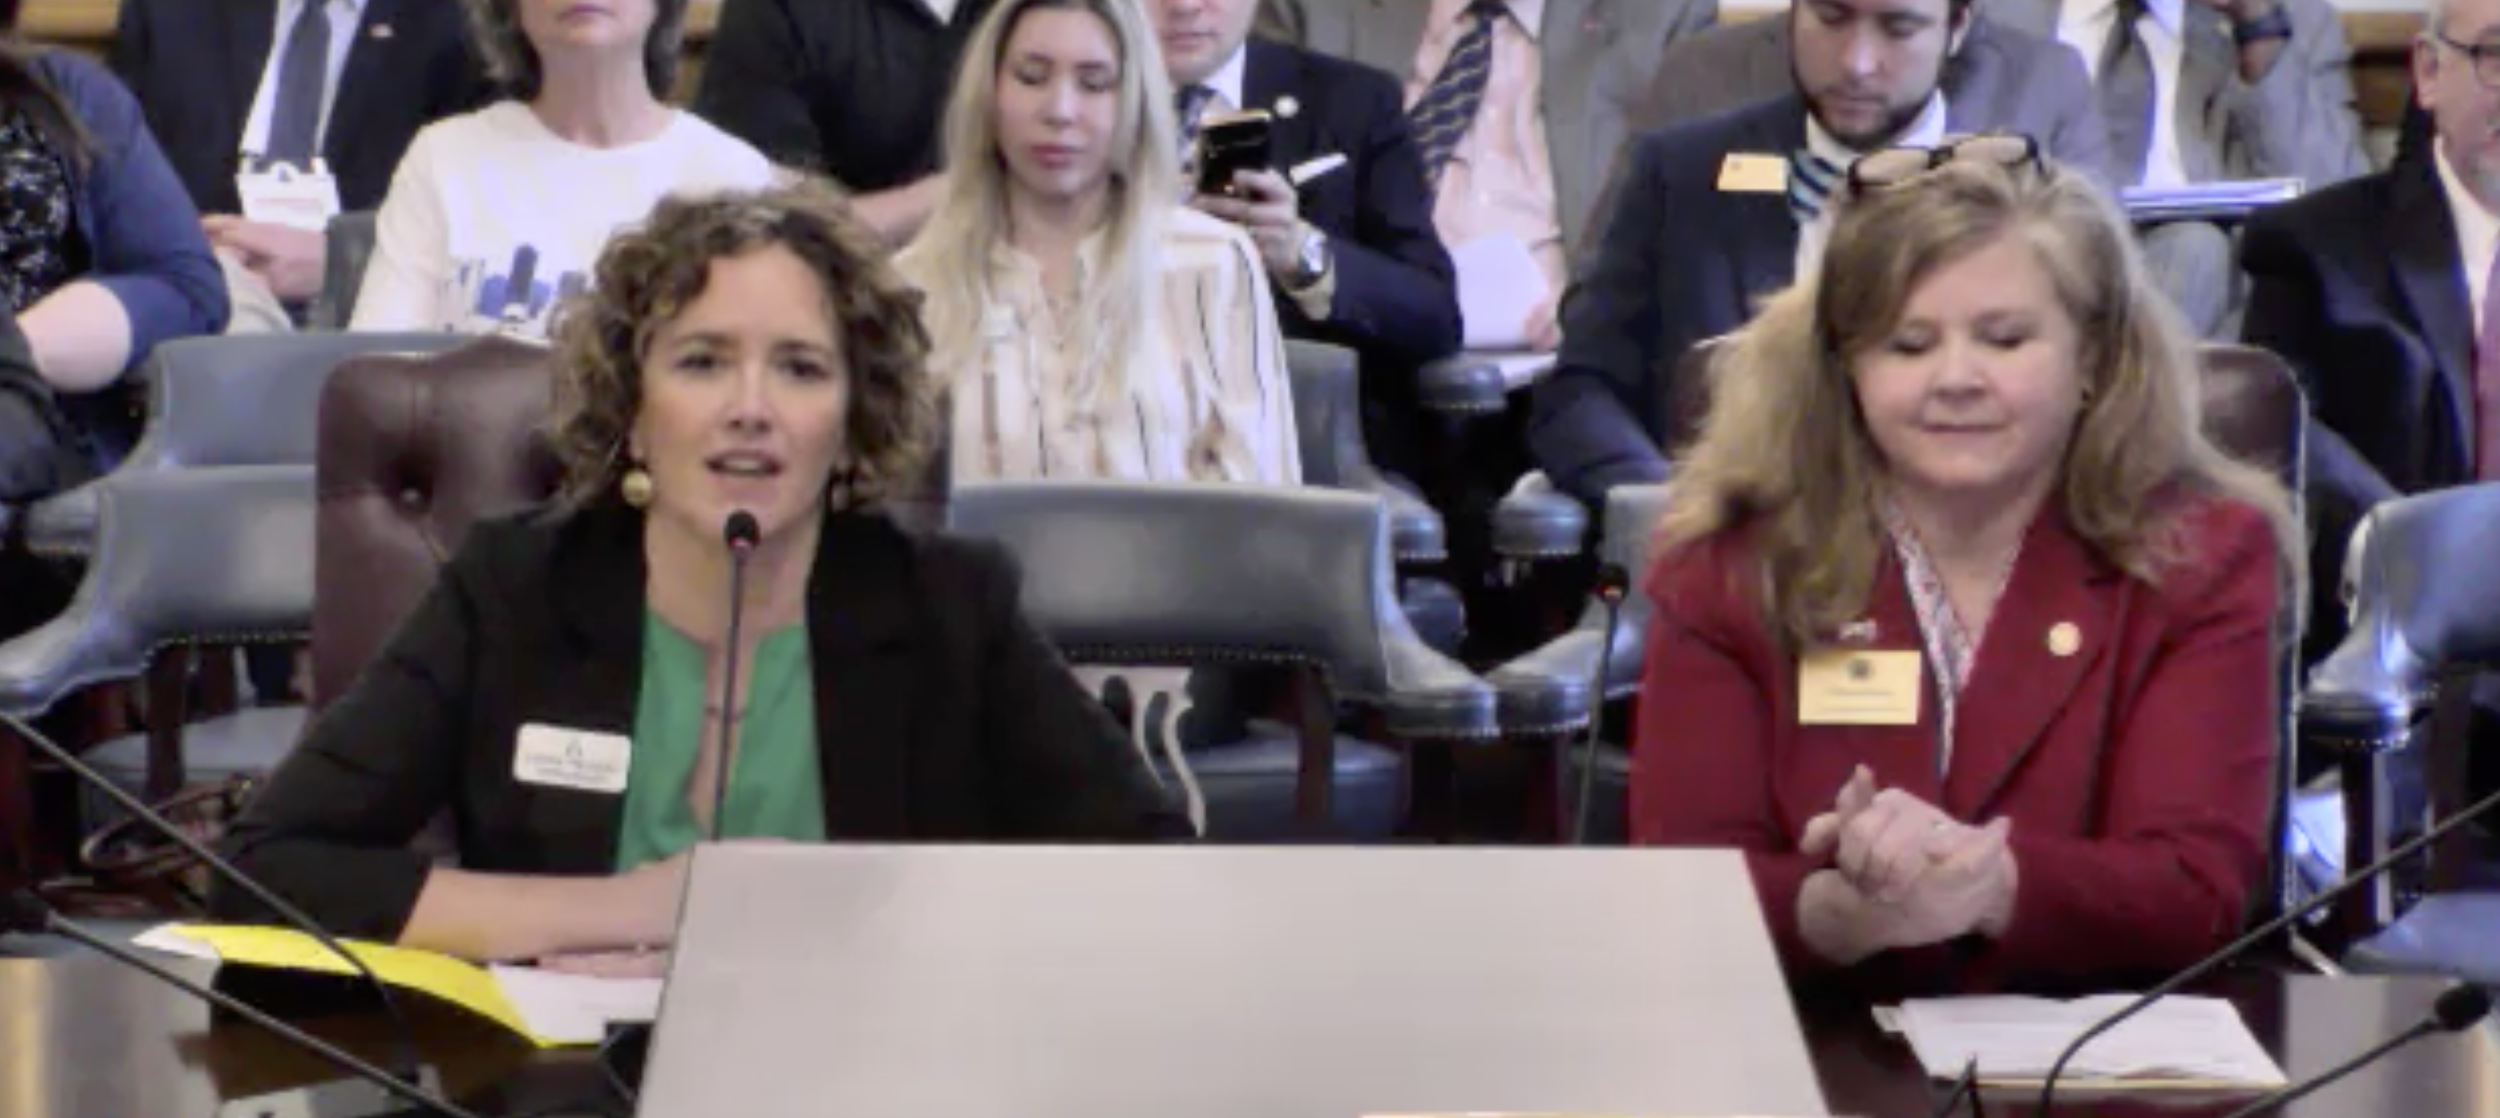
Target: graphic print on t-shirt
x=518, y=298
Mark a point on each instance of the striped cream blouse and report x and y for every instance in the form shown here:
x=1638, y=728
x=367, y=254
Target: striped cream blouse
x=1210, y=400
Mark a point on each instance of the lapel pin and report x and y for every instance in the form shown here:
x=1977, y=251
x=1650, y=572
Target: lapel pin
x=381, y=31
x=1858, y=632
x=2065, y=639
x=1287, y=108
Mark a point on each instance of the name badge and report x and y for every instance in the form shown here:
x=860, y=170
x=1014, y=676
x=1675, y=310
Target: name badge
x=286, y=195
x=1746, y=173
x=1858, y=687
x=555, y=757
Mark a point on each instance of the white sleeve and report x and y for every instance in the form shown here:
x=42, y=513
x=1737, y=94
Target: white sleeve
x=405, y=279
x=1258, y=387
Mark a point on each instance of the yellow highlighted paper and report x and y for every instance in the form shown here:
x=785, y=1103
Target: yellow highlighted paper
x=463, y=984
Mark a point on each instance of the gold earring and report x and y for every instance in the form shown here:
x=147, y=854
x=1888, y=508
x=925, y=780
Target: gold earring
x=635, y=486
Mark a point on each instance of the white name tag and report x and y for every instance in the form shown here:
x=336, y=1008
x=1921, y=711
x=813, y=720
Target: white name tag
x=283, y=195
x=555, y=757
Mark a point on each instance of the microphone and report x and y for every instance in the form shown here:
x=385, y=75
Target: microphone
x=2240, y=946
x=227, y=871
x=2457, y=1010
x=23, y=911
x=741, y=533
x=1612, y=582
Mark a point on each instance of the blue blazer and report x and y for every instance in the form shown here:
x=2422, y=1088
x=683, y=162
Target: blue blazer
x=1396, y=303
x=1676, y=261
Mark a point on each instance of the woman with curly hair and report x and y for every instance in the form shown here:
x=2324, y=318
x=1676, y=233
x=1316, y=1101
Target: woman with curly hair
x=558, y=692
x=494, y=217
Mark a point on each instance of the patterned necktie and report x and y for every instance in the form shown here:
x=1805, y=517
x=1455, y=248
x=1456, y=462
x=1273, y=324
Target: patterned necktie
x=1191, y=102
x=2487, y=381
x=1442, y=116
x=303, y=75
x=1810, y=181
x=2125, y=85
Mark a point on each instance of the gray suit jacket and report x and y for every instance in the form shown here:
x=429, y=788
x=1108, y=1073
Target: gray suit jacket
x=2298, y=121
x=1587, y=44
x=2002, y=81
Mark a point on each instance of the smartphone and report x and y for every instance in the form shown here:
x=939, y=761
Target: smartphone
x=1230, y=143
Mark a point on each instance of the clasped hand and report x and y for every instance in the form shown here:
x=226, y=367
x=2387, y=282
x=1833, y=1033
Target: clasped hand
x=1901, y=873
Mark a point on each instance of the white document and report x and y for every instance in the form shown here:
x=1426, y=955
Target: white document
x=2178, y=1041
x=576, y=1009
x=2206, y=199
x=1499, y=282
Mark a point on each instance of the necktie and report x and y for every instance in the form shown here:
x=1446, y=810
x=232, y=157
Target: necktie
x=1192, y=104
x=303, y=73
x=2125, y=85
x=2487, y=381
x=1810, y=181
x=1448, y=107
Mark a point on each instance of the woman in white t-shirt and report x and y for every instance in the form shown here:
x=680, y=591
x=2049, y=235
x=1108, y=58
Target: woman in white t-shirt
x=496, y=216
x=1087, y=324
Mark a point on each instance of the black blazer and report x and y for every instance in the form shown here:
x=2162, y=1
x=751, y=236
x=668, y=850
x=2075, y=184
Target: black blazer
x=2360, y=288
x=1396, y=303
x=1676, y=262
x=941, y=716
x=196, y=66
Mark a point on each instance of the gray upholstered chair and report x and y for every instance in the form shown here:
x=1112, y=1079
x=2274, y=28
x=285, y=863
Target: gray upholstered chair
x=2393, y=705
x=246, y=400
x=351, y=237
x=182, y=559
x=1189, y=575
x=1328, y=417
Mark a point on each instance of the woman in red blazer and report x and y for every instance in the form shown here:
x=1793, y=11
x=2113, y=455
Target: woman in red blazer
x=1963, y=629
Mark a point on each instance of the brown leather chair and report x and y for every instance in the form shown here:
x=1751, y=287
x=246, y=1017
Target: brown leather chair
x=413, y=450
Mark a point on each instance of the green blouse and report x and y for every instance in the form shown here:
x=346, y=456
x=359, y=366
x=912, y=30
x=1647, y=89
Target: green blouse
x=775, y=788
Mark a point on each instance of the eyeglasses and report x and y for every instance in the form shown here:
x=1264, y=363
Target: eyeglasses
x=1892, y=167
x=2484, y=56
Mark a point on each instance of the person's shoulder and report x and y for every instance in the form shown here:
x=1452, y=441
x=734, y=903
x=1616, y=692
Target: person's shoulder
x=709, y=147
x=1696, y=147
x=2345, y=220
x=1698, y=580
x=1194, y=240
x=1339, y=81
x=2220, y=540
x=471, y=133
x=84, y=83
x=2331, y=208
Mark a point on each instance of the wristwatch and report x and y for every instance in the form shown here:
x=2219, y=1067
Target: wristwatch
x=1310, y=261
x=2275, y=24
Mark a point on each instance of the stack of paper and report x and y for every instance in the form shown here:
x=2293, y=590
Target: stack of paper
x=2182, y=1041
x=549, y=1009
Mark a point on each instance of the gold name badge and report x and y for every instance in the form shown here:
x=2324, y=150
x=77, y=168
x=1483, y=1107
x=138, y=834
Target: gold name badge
x=1858, y=687
x=1747, y=173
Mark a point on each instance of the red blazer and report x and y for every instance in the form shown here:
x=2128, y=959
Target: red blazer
x=2138, y=769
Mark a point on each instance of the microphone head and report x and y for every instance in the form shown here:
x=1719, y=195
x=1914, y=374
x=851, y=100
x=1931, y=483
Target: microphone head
x=1613, y=581
x=2459, y=1007
x=22, y=911
x=740, y=531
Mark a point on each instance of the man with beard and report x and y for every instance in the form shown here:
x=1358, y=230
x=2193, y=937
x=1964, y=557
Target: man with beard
x=1708, y=216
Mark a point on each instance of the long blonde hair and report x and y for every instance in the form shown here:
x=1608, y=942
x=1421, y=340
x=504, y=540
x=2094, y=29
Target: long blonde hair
x=951, y=257
x=1785, y=452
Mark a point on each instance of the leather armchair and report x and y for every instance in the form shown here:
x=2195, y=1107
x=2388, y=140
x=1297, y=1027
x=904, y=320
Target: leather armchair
x=1181, y=576
x=1328, y=415
x=350, y=246
x=1463, y=385
x=182, y=558
x=1549, y=691
x=244, y=400
x=414, y=449
x=2392, y=704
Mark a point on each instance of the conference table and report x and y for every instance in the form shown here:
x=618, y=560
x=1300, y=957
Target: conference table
x=81, y=1037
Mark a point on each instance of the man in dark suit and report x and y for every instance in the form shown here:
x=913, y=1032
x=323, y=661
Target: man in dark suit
x=1708, y=216
x=216, y=79
x=1351, y=253
x=2379, y=291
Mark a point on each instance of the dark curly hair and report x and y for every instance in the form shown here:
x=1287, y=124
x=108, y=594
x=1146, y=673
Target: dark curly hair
x=495, y=30
x=648, y=275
